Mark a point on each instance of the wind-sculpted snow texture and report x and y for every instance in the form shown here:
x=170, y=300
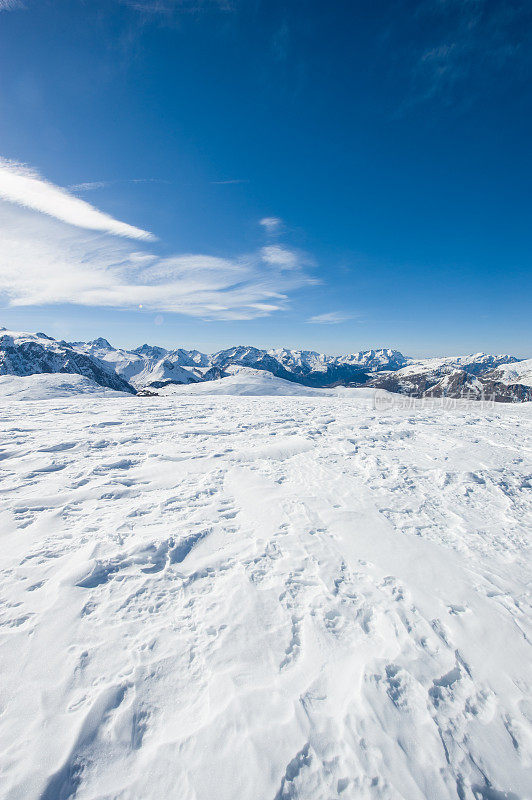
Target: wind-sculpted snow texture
x=263, y=598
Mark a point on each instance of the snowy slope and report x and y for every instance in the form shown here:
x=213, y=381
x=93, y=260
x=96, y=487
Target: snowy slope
x=518, y=372
x=248, y=381
x=476, y=363
x=452, y=383
x=46, y=387
x=249, y=598
x=473, y=376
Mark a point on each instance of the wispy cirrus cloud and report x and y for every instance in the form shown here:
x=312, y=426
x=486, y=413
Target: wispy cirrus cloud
x=52, y=254
x=25, y=187
x=169, y=7
x=89, y=186
x=10, y=5
x=459, y=47
x=330, y=318
x=230, y=181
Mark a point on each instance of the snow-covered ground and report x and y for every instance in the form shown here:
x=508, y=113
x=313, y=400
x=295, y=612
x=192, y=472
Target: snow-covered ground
x=46, y=387
x=261, y=598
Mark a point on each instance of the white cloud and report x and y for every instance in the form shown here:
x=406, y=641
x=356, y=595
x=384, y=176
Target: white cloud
x=25, y=187
x=280, y=257
x=10, y=5
x=45, y=262
x=330, y=318
x=271, y=224
x=56, y=248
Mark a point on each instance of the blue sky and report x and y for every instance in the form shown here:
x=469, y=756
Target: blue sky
x=332, y=176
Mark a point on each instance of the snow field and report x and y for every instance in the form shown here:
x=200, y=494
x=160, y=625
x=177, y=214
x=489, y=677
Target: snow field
x=264, y=598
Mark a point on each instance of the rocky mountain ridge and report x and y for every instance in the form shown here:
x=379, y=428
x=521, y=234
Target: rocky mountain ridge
x=150, y=367
x=31, y=354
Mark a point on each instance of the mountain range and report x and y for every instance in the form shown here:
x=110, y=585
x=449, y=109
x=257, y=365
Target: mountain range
x=148, y=367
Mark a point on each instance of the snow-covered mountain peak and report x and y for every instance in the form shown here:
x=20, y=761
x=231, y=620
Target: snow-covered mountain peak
x=155, y=367
x=307, y=358
x=382, y=358
x=150, y=351
x=238, y=353
x=103, y=343
x=22, y=336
